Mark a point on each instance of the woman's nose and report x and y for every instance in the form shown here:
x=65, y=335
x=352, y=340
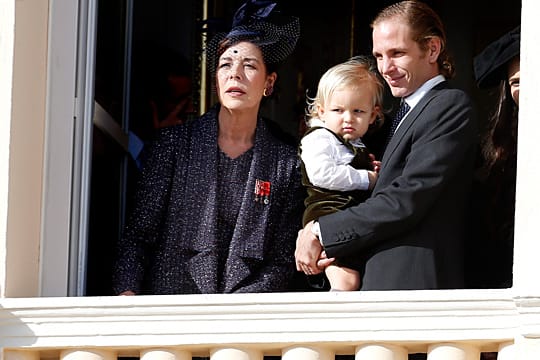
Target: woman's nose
x=235, y=72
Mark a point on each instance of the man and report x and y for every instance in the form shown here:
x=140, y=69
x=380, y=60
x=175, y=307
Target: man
x=409, y=233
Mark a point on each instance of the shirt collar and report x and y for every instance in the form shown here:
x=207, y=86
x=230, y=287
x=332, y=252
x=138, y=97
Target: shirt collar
x=416, y=96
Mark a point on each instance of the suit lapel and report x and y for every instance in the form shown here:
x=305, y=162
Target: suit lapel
x=410, y=120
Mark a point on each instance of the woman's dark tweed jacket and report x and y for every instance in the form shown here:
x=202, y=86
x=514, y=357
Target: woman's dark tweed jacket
x=169, y=245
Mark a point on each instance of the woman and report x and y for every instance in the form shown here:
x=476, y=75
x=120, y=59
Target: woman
x=220, y=200
x=491, y=256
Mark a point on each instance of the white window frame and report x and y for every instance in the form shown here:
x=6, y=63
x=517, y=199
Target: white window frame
x=70, y=111
x=67, y=154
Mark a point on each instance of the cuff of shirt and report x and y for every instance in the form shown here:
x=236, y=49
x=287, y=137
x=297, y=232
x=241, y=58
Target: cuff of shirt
x=316, y=230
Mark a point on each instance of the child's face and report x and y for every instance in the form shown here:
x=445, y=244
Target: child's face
x=349, y=112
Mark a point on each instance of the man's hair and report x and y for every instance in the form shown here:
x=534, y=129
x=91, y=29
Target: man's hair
x=425, y=24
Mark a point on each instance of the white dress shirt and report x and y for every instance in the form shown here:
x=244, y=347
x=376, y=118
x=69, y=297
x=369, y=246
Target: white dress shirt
x=416, y=96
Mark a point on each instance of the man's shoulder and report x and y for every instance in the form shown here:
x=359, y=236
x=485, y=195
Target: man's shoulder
x=446, y=92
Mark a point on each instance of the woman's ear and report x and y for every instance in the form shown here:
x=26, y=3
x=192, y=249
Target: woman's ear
x=271, y=80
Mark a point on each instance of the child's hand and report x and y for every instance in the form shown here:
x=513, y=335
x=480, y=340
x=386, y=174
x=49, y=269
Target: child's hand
x=372, y=175
x=376, y=164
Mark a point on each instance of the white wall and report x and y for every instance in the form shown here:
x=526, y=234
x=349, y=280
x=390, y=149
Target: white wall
x=7, y=34
x=24, y=131
x=527, y=236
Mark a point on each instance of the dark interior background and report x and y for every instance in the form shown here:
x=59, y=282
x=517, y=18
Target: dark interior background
x=138, y=40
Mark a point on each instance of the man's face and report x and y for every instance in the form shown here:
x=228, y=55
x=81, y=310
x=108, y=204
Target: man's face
x=402, y=63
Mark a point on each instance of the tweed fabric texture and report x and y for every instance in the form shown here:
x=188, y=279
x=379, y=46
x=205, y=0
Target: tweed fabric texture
x=173, y=242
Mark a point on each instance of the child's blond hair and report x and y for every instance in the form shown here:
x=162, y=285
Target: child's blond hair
x=357, y=72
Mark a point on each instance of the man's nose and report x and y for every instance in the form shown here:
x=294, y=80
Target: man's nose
x=386, y=65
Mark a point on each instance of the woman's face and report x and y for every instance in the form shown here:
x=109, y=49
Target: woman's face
x=241, y=77
x=513, y=79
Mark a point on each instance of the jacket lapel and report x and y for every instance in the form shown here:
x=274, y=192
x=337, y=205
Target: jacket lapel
x=410, y=120
x=200, y=230
x=201, y=233
x=248, y=238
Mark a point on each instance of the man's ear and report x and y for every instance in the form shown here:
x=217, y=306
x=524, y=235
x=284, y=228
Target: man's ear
x=434, y=49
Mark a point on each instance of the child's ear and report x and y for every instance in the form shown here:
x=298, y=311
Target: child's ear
x=374, y=114
x=320, y=110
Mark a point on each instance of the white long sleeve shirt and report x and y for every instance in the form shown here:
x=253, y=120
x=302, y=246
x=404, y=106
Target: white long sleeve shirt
x=326, y=161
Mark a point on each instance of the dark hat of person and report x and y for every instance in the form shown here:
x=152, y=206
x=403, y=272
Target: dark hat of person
x=258, y=22
x=490, y=65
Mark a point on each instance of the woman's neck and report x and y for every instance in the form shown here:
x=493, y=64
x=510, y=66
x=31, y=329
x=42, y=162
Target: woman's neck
x=236, y=133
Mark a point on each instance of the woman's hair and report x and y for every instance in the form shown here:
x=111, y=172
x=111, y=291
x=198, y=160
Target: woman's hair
x=425, y=24
x=499, y=145
x=358, y=72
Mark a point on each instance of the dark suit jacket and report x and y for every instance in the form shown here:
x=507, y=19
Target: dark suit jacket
x=410, y=232
x=170, y=245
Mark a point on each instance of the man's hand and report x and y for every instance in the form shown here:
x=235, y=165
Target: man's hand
x=127, y=293
x=309, y=254
x=323, y=262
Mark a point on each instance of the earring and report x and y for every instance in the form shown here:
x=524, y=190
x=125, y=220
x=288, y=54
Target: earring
x=267, y=92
